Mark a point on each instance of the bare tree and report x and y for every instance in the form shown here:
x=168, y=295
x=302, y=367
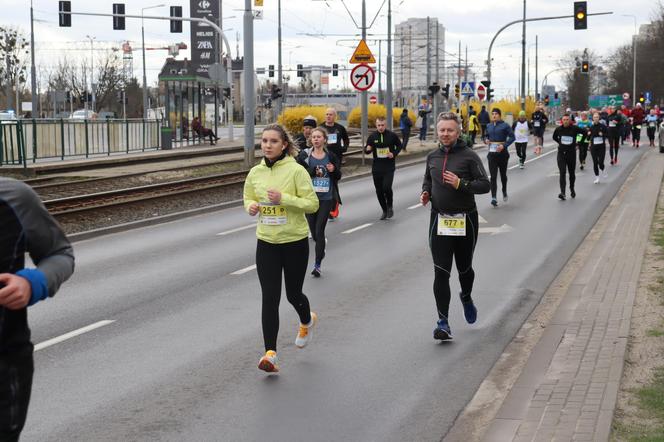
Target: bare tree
x=579, y=83
x=13, y=62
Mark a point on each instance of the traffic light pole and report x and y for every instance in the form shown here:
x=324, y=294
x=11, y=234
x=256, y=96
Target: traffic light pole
x=279, y=105
x=388, y=96
x=560, y=17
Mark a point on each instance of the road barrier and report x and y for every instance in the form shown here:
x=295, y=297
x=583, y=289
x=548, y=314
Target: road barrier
x=32, y=140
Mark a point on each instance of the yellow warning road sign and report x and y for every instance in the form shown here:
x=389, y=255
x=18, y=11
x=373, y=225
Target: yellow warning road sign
x=362, y=54
x=258, y=3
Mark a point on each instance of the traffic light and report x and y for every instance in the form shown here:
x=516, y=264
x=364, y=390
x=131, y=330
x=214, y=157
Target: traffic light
x=489, y=91
x=335, y=70
x=585, y=67
x=275, y=93
x=227, y=93
x=546, y=100
x=433, y=89
x=642, y=98
x=446, y=92
x=300, y=71
x=580, y=15
x=176, y=25
x=457, y=90
x=64, y=16
x=118, y=22
x=555, y=96
x=270, y=71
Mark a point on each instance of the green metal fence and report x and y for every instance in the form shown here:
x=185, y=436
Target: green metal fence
x=32, y=140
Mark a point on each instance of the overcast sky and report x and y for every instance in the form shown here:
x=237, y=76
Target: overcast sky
x=472, y=22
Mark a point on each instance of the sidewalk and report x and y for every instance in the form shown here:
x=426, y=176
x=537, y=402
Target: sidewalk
x=564, y=386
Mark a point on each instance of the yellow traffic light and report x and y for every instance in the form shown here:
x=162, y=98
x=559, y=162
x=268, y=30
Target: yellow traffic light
x=580, y=15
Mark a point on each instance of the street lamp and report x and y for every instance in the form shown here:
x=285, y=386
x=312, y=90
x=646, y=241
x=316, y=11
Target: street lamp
x=634, y=56
x=145, y=81
x=92, y=71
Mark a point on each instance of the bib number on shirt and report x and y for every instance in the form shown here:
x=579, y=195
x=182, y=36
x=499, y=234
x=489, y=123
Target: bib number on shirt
x=598, y=140
x=493, y=147
x=332, y=138
x=321, y=184
x=612, y=124
x=579, y=138
x=452, y=224
x=651, y=124
x=382, y=152
x=273, y=214
x=566, y=140
x=537, y=124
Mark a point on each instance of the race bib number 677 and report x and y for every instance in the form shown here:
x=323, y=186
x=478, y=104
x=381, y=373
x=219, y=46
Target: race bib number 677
x=452, y=224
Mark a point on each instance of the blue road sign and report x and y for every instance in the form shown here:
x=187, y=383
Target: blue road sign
x=468, y=88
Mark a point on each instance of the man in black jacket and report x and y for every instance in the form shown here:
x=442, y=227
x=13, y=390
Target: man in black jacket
x=565, y=135
x=454, y=174
x=384, y=145
x=337, y=143
x=484, y=120
x=538, y=121
x=27, y=227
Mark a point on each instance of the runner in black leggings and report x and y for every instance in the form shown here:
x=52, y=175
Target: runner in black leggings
x=280, y=191
x=596, y=136
x=323, y=167
x=615, y=124
x=566, y=136
x=453, y=175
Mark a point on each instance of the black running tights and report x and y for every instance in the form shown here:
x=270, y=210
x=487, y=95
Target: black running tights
x=443, y=249
x=498, y=162
x=271, y=260
x=614, y=145
x=15, y=387
x=383, y=184
x=566, y=163
x=521, y=151
x=598, y=153
x=317, y=223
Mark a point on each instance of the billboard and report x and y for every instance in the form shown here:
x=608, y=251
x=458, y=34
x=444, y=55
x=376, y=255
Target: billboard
x=204, y=49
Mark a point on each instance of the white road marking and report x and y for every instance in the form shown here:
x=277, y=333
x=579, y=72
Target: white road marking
x=482, y=220
x=244, y=270
x=415, y=206
x=239, y=229
x=497, y=230
x=516, y=166
x=72, y=334
x=355, y=229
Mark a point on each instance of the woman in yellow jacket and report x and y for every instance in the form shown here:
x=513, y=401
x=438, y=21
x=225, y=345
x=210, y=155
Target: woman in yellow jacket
x=280, y=192
x=473, y=128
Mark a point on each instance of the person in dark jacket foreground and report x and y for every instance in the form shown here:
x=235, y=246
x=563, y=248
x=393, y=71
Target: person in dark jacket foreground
x=454, y=174
x=27, y=227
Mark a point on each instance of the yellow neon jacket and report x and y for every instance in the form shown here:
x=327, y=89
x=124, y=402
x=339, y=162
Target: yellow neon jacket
x=297, y=196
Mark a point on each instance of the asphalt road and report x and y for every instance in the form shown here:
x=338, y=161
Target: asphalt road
x=178, y=362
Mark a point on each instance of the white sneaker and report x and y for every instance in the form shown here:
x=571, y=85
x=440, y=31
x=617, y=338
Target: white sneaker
x=605, y=174
x=596, y=180
x=269, y=362
x=304, y=334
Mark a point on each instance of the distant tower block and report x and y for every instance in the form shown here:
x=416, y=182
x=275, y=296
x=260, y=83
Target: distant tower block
x=127, y=61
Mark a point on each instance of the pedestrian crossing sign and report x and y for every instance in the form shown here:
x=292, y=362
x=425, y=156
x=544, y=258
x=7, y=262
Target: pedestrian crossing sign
x=362, y=54
x=468, y=88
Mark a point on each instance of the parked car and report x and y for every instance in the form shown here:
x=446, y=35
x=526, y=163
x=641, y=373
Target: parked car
x=7, y=115
x=83, y=114
x=106, y=115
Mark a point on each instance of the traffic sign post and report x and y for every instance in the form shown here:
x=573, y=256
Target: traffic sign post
x=362, y=77
x=481, y=92
x=362, y=54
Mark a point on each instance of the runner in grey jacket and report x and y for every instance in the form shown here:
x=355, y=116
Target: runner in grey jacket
x=26, y=227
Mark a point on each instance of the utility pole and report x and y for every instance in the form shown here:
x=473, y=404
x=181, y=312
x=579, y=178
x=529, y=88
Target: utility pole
x=279, y=104
x=523, y=60
x=536, y=67
x=379, y=73
x=363, y=95
x=33, y=70
x=249, y=92
x=428, y=53
x=145, y=81
x=388, y=96
x=92, y=73
x=459, y=79
x=435, y=96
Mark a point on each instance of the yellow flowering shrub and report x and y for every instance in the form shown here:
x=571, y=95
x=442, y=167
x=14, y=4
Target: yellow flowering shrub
x=378, y=110
x=292, y=117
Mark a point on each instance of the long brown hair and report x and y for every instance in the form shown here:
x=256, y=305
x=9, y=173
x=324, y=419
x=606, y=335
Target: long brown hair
x=285, y=137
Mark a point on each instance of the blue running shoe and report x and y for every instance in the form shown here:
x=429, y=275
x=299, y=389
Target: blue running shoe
x=442, y=332
x=469, y=311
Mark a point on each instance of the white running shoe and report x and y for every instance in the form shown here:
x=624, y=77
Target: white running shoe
x=596, y=180
x=268, y=362
x=304, y=333
x=605, y=174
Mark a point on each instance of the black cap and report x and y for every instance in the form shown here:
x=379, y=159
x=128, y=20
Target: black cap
x=310, y=121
